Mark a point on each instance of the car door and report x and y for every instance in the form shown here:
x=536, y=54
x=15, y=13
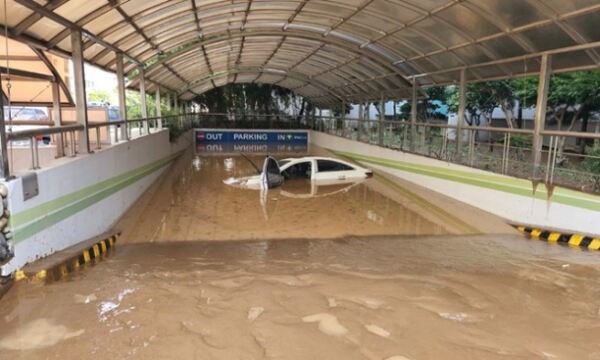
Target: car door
x=271, y=174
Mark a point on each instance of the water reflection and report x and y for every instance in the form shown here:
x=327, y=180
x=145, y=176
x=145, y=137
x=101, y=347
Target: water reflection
x=194, y=204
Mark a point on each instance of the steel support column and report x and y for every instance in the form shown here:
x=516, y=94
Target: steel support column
x=158, y=109
x=413, y=116
x=143, y=103
x=122, y=97
x=540, y=113
x=320, y=125
x=361, y=120
x=80, y=96
x=4, y=167
x=57, y=118
x=462, y=102
x=380, y=124
x=343, y=123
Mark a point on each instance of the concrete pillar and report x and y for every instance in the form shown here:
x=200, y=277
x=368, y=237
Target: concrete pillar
x=80, y=96
x=462, y=102
x=122, y=97
x=380, y=124
x=158, y=109
x=143, y=103
x=413, y=117
x=4, y=166
x=540, y=113
x=57, y=117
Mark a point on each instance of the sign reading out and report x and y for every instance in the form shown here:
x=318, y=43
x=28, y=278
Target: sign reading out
x=251, y=141
x=249, y=136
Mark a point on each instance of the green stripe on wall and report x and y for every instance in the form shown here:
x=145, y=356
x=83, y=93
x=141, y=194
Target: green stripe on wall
x=77, y=201
x=488, y=181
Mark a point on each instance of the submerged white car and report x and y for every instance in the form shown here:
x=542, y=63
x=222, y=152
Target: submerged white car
x=321, y=170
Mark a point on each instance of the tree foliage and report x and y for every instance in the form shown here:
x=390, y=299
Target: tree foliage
x=253, y=98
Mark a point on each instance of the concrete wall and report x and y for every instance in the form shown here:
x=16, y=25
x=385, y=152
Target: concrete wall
x=83, y=196
x=505, y=196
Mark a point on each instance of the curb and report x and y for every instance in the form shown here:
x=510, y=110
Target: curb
x=89, y=256
x=576, y=240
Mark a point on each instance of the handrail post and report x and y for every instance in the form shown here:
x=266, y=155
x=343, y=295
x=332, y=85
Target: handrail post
x=122, y=97
x=158, y=108
x=73, y=151
x=143, y=104
x=57, y=117
x=80, y=97
x=413, y=116
x=4, y=166
x=540, y=114
x=98, y=144
x=461, y=115
x=380, y=123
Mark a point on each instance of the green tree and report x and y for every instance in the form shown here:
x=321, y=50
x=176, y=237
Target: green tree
x=98, y=95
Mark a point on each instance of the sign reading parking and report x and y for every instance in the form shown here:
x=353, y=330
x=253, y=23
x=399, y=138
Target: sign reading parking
x=251, y=137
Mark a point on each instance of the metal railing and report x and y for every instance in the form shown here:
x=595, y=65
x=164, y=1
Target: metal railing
x=66, y=137
x=498, y=149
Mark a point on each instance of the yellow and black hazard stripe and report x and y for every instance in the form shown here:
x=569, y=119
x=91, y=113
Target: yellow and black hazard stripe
x=89, y=256
x=583, y=241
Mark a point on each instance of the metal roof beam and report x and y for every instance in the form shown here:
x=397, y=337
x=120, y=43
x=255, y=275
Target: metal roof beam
x=34, y=17
x=34, y=6
x=55, y=73
x=141, y=32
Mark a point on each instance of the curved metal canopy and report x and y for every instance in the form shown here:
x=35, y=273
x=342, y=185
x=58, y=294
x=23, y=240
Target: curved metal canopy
x=325, y=50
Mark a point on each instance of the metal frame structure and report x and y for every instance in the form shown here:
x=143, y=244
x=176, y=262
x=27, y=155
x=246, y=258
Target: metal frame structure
x=333, y=52
x=327, y=51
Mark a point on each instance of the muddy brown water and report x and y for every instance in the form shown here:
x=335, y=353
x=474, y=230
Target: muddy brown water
x=205, y=271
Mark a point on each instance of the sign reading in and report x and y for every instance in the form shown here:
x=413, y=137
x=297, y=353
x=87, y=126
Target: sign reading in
x=249, y=136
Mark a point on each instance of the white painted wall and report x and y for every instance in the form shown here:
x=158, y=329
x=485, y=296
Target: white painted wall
x=514, y=208
x=79, y=173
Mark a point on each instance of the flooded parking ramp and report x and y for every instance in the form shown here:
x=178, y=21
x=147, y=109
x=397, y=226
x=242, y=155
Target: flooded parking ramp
x=365, y=270
x=456, y=297
x=194, y=204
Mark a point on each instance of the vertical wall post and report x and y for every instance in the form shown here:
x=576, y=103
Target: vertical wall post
x=413, y=116
x=57, y=117
x=540, y=113
x=169, y=101
x=4, y=166
x=176, y=107
x=462, y=102
x=320, y=127
x=158, y=109
x=143, y=103
x=343, y=123
x=80, y=96
x=380, y=124
x=122, y=97
x=361, y=120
